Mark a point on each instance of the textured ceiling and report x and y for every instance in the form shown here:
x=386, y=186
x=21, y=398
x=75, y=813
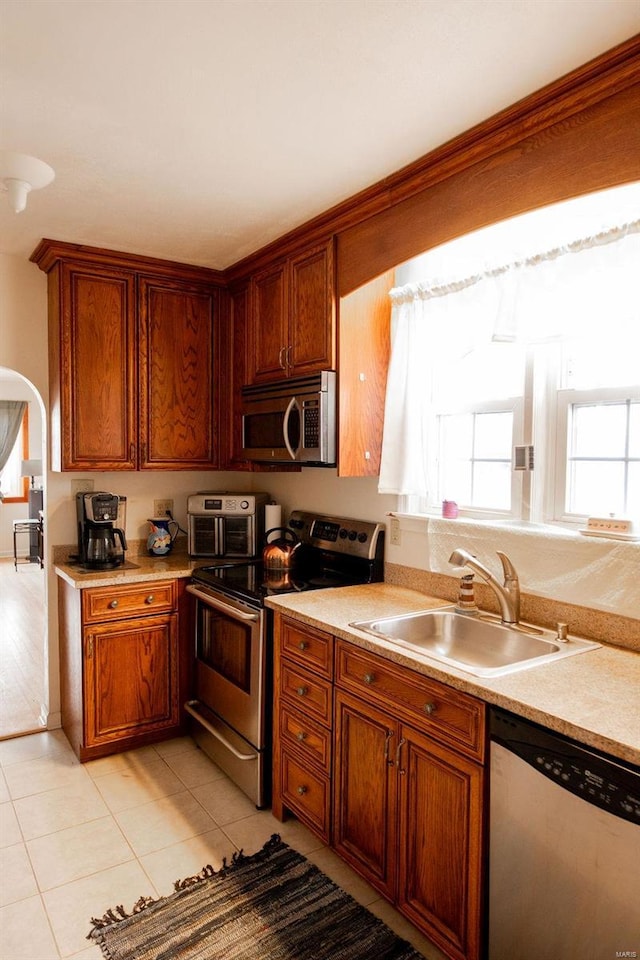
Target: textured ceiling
x=199, y=130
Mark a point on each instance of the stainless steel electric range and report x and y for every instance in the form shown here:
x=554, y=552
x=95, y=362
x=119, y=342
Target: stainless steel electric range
x=232, y=697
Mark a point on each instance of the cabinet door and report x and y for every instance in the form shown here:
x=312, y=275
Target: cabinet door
x=440, y=837
x=93, y=394
x=311, y=313
x=176, y=334
x=365, y=791
x=131, y=678
x=269, y=341
x=233, y=353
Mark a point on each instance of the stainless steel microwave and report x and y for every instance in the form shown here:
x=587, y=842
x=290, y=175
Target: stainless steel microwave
x=291, y=421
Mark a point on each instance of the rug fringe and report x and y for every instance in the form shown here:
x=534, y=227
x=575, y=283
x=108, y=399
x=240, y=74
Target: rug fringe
x=118, y=913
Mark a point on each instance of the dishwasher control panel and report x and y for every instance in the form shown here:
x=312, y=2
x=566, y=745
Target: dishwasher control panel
x=600, y=780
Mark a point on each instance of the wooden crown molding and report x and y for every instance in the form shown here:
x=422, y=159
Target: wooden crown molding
x=48, y=252
x=585, y=87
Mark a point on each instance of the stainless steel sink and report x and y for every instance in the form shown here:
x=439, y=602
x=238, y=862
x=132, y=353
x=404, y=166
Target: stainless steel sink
x=483, y=647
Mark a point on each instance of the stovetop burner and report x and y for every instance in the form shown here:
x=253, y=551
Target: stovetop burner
x=335, y=552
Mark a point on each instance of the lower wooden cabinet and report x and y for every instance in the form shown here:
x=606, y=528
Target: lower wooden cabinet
x=122, y=665
x=302, y=742
x=405, y=775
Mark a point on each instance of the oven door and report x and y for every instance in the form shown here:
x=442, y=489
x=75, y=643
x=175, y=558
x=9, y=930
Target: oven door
x=230, y=673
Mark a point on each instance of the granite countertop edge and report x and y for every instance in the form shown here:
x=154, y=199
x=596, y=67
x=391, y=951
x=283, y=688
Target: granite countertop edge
x=591, y=698
x=137, y=569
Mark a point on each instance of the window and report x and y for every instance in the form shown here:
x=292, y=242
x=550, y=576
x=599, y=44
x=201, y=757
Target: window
x=15, y=487
x=542, y=351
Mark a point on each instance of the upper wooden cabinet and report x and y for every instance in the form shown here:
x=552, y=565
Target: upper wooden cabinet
x=176, y=375
x=131, y=361
x=293, y=316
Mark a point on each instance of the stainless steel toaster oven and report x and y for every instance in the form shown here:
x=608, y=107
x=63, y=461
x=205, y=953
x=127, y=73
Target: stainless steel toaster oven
x=226, y=524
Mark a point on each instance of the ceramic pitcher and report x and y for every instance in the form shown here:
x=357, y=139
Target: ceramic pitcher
x=163, y=533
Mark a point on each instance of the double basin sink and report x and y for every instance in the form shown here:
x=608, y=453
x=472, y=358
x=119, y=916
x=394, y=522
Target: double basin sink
x=476, y=645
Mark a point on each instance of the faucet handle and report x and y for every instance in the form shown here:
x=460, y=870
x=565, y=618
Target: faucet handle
x=510, y=572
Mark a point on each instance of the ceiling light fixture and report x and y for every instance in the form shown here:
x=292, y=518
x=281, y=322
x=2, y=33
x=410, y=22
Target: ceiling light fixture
x=19, y=174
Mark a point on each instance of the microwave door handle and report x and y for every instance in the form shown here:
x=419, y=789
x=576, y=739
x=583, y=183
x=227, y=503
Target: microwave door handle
x=285, y=427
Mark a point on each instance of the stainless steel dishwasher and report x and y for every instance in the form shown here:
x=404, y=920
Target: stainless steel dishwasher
x=564, y=848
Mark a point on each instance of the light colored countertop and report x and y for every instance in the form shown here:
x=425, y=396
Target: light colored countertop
x=592, y=697
x=138, y=568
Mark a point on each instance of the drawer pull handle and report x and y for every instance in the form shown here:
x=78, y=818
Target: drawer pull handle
x=302, y=791
x=113, y=604
x=430, y=708
x=303, y=645
x=301, y=735
x=150, y=598
x=302, y=691
x=369, y=678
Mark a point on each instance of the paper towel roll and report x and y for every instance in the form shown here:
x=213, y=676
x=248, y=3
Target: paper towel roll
x=272, y=518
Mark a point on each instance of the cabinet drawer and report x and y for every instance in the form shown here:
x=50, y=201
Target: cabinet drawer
x=306, y=794
x=308, y=738
x=131, y=600
x=306, y=693
x=309, y=647
x=447, y=715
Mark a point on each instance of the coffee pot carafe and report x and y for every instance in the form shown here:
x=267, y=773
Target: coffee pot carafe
x=101, y=538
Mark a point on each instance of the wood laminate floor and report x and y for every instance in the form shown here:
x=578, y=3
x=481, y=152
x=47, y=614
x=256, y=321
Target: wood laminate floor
x=22, y=660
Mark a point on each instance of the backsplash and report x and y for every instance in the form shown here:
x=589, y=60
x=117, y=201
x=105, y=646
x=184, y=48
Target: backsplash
x=582, y=621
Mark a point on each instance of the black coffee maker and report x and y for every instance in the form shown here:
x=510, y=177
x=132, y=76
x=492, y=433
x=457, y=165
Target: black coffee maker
x=101, y=522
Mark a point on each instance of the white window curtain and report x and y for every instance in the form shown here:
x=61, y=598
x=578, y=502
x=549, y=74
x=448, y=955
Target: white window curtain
x=587, y=288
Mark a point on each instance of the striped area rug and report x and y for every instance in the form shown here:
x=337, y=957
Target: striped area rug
x=273, y=905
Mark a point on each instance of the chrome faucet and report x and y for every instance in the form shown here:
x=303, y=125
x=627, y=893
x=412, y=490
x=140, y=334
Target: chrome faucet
x=508, y=594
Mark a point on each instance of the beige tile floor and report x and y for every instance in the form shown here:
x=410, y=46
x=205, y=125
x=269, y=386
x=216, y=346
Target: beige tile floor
x=77, y=839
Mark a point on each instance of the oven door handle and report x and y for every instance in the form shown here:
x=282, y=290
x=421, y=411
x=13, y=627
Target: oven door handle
x=222, y=607
x=190, y=706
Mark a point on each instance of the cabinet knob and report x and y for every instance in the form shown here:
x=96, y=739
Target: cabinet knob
x=302, y=691
x=113, y=604
x=369, y=678
x=301, y=735
x=302, y=791
x=303, y=645
x=150, y=598
x=430, y=708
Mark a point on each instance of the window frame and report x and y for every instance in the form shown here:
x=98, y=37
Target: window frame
x=565, y=399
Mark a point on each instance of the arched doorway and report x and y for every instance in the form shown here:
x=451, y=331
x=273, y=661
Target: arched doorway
x=23, y=578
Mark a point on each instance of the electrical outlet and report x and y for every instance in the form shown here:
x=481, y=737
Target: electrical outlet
x=81, y=486
x=162, y=507
x=395, y=532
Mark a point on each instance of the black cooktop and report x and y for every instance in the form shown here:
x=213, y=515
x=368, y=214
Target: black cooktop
x=252, y=581
x=333, y=552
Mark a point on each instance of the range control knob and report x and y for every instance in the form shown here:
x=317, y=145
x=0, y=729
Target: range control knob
x=342, y=534
x=362, y=538
x=244, y=504
x=352, y=534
